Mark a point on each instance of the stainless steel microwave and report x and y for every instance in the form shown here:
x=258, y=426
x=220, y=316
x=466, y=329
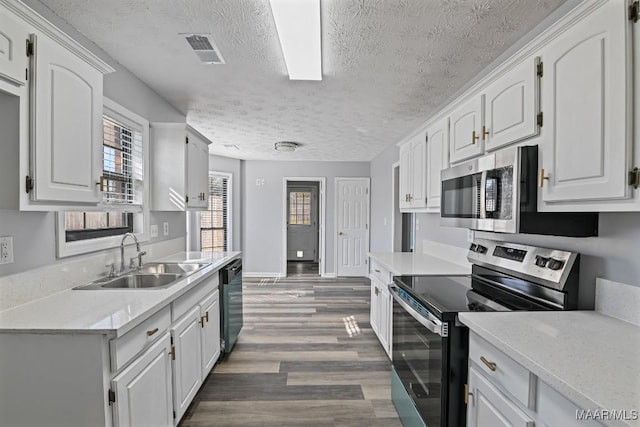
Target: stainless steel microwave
x=499, y=193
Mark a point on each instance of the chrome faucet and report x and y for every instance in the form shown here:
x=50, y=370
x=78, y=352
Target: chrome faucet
x=140, y=253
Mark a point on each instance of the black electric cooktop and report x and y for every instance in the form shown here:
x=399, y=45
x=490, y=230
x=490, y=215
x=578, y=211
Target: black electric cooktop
x=444, y=296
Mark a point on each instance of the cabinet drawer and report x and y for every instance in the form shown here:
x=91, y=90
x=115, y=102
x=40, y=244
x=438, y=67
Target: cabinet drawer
x=123, y=349
x=194, y=296
x=506, y=373
x=556, y=410
x=380, y=272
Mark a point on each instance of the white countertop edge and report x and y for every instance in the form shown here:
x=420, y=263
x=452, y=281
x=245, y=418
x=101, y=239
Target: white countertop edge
x=382, y=258
x=179, y=289
x=578, y=397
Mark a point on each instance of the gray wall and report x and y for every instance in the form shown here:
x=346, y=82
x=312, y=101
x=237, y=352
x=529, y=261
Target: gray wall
x=34, y=232
x=234, y=167
x=262, y=208
x=382, y=207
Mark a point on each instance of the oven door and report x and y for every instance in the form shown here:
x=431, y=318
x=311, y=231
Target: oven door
x=419, y=358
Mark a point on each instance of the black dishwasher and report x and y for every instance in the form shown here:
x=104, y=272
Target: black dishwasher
x=231, y=314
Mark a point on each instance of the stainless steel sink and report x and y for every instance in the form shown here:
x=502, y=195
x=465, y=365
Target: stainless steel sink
x=170, y=267
x=141, y=281
x=153, y=275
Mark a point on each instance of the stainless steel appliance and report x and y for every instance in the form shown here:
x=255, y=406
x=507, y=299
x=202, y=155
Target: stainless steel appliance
x=231, y=317
x=499, y=192
x=430, y=347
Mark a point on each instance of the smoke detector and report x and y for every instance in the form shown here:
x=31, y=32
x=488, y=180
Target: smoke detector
x=286, y=146
x=205, y=48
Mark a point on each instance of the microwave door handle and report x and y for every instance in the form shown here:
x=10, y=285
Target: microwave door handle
x=483, y=195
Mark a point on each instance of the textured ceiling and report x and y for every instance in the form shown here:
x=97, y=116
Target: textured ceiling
x=387, y=65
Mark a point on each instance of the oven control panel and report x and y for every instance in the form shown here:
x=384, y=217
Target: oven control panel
x=550, y=265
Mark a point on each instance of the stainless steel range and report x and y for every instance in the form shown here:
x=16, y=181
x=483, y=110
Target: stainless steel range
x=430, y=347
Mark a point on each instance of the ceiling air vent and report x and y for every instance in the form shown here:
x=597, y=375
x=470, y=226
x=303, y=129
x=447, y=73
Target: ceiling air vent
x=205, y=48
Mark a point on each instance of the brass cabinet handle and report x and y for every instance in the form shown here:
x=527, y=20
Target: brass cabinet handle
x=485, y=132
x=206, y=316
x=474, y=137
x=542, y=178
x=377, y=291
x=376, y=270
x=201, y=321
x=100, y=183
x=151, y=332
x=490, y=365
x=410, y=197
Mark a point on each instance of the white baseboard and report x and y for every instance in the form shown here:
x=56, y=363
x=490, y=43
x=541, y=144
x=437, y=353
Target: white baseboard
x=329, y=275
x=257, y=274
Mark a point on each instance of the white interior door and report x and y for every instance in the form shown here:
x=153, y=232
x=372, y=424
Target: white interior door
x=352, y=225
x=302, y=222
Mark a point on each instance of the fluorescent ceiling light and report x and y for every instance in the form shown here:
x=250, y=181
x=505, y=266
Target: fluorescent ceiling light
x=298, y=25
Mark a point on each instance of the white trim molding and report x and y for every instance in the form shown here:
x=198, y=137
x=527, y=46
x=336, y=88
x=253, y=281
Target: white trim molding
x=322, y=231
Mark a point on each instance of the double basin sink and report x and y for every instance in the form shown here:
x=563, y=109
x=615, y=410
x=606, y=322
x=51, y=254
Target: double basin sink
x=154, y=275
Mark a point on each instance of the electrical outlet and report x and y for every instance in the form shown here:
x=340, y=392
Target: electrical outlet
x=165, y=228
x=154, y=230
x=6, y=250
x=471, y=235
x=417, y=224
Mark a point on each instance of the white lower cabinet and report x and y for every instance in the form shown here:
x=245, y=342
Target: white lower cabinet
x=381, y=305
x=187, y=360
x=210, y=332
x=489, y=407
x=143, y=390
x=501, y=392
x=147, y=376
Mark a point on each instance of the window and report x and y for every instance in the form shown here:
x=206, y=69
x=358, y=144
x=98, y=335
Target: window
x=300, y=208
x=122, y=185
x=214, y=222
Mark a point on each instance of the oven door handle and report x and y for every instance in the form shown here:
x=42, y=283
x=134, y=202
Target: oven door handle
x=433, y=325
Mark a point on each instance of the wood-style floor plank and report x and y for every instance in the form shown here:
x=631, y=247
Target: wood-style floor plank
x=306, y=357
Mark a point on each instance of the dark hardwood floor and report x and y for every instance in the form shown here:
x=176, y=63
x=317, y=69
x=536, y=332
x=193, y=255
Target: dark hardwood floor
x=306, y=356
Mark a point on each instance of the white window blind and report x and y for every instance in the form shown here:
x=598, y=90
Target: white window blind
x=214, y=222
x=123, y=170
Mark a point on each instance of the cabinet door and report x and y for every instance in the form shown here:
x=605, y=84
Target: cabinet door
x=66, y=120
x=488, y=407
x=584, y=100
x=511, y=106
x=466, y=130
x=437, y=159
x=374, y=315
x=210, y=315
x=187, y=365
x=418, y=196
x=385, y=318
x=143, y=390
x=197, y=173
x=405, y=176
x=13, y=57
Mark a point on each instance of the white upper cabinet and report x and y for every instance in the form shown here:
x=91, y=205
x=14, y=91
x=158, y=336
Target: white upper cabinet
x=413, y=173
x=13, y=55
x=405, y=176
x=180, y=167
x=197, y=171
x=511, y=106
x=467, y=139
x=66, y=120
x=437, y=159
x=585, y=99
x=417, y=197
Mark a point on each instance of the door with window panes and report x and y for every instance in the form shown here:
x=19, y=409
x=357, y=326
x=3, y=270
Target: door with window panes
x=302, y=222
x=214, y=222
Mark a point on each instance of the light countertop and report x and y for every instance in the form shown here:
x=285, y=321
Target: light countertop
x=112, y=312
x=592, y=359
x=409, y=263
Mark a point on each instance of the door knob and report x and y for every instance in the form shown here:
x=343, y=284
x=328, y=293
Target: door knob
x=340, y=233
